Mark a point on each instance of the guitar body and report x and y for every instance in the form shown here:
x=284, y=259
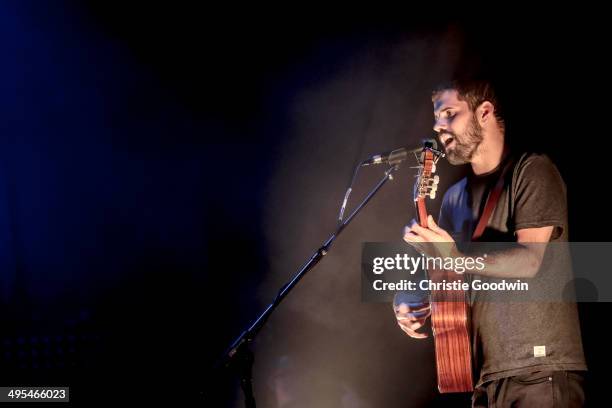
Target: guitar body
x=449, y=308
x=451, y=329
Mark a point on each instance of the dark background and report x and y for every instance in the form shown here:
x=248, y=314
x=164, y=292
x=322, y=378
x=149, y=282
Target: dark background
x=166, y=167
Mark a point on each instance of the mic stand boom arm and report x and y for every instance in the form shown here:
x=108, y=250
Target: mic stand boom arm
x=239, y=355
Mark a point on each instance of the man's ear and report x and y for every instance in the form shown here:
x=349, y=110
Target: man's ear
x=485, y=112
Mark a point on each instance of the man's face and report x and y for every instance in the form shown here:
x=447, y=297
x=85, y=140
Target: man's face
x=457, y=127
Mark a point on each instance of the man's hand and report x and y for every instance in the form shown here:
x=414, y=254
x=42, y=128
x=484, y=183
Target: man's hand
x=419, y=237
x=411, y=317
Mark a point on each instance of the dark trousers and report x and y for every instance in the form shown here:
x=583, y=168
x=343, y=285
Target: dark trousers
x=542, y=389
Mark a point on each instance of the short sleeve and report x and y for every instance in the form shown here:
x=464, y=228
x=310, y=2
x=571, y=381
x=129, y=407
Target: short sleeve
x=540, y=195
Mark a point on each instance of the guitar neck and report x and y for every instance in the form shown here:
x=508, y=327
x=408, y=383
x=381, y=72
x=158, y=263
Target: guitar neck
x=421, y=212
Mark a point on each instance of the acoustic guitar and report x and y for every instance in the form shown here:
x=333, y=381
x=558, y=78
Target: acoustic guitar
x=449, y=308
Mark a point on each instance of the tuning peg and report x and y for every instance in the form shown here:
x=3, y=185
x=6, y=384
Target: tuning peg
x=433, y=167
x=436, y=179
x=432, y=194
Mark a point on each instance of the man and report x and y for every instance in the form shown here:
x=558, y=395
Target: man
x=531, y=209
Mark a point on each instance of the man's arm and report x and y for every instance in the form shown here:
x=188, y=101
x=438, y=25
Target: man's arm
x=523, y=261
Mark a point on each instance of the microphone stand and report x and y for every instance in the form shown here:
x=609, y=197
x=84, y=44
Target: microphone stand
x=239, y=356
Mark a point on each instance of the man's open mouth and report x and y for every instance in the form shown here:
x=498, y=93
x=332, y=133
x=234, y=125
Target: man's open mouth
x=447, y=140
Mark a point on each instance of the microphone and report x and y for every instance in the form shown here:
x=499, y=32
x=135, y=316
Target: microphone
x=399, y=155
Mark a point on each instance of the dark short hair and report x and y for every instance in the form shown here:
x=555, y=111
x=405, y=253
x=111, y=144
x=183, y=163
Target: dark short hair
x=474, y=92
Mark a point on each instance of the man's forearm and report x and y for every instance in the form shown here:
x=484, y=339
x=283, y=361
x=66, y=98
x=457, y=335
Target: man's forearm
x=520, y=262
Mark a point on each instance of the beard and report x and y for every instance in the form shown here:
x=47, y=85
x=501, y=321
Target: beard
x=465, y=143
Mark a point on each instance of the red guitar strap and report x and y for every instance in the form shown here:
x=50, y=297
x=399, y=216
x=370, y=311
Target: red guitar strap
x=491, y=202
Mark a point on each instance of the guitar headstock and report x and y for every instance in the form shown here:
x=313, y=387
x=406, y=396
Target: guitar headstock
x=427, y=183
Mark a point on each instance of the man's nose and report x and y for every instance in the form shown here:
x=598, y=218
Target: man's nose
x=439, y=125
